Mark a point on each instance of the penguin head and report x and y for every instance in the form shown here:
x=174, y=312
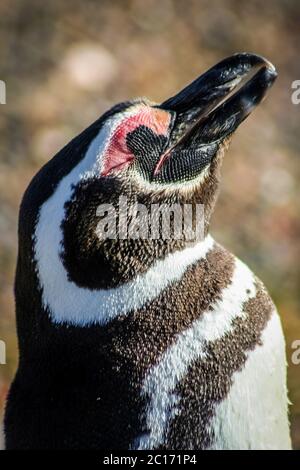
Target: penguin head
x=171, y=144
x=152, y=154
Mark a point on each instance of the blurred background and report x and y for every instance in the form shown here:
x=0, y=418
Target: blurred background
x=64, y=63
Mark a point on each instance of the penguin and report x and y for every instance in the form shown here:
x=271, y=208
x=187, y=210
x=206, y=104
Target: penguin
x=141, y=343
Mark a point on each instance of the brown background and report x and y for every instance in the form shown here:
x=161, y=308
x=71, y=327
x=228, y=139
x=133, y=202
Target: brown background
x=64, y=63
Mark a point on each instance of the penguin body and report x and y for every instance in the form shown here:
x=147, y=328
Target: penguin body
x=148, y=343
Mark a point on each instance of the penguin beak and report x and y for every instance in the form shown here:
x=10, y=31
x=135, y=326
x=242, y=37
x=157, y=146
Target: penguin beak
x=207, y=112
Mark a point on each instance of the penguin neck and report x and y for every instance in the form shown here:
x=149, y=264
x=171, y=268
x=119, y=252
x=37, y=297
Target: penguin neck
x=69, y=303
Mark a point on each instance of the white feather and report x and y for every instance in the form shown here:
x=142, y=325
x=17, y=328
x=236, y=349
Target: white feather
x=255, y=413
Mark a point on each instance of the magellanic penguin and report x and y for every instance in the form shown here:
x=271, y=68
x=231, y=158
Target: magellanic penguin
x=140, y=343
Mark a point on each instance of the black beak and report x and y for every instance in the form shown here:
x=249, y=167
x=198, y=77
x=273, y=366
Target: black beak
x=204, y=117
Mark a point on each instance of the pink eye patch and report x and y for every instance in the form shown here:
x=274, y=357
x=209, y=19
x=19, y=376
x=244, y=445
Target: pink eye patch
x=117, y=154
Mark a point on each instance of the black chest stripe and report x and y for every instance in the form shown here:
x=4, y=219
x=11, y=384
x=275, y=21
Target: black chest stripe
x=147, y=333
